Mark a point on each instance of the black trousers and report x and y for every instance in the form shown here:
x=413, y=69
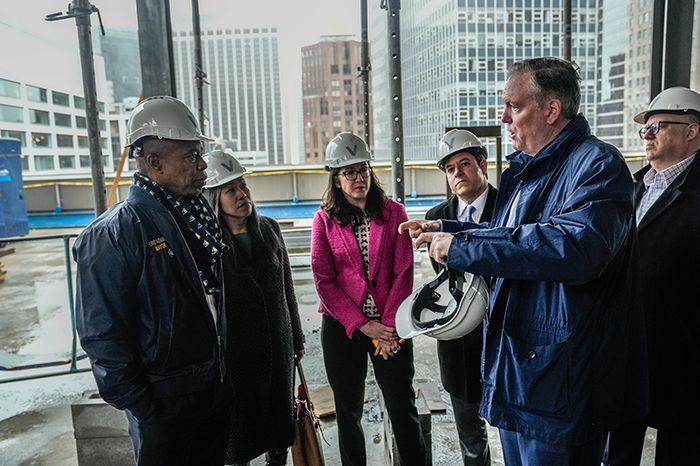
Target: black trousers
x=190, y=430
x=674, y=447
x=473, y=438
x=346, y=366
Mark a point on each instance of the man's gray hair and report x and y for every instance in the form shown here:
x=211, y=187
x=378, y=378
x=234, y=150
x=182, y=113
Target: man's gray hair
x=552, y=78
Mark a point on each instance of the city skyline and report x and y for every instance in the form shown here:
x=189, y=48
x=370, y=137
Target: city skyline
x=453, y=68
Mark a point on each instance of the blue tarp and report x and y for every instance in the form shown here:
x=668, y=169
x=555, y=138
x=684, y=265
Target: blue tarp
x=276, y=210
x=13, y=209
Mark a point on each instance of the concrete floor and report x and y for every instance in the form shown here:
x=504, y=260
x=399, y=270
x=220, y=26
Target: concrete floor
x=35, y=421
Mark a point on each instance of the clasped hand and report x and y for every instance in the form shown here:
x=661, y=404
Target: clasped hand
x=388, y=340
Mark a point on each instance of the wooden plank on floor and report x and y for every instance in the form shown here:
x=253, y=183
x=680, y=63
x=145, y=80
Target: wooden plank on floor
x=6, y=251
x=431, y=394
x=322, y=399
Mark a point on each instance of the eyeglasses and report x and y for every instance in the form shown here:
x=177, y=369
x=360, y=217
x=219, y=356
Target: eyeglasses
x=351, y=175
x=655, y=127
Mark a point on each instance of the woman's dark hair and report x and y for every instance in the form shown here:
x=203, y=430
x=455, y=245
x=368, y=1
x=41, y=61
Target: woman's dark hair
x=264, y=239
x=262, y=236
x=335, y=204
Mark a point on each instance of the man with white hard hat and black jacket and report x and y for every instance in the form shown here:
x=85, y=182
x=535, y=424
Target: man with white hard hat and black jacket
x=668, y=226
x=150, y=296
x=463, y=159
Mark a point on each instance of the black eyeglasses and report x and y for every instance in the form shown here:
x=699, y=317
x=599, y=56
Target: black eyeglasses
x=655, y=127
x=351, y=175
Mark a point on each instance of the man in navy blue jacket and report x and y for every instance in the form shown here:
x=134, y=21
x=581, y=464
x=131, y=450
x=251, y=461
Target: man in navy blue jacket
x=564, y=348
x=150, y=297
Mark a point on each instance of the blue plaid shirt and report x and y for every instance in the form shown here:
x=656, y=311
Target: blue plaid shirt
x=657, y=182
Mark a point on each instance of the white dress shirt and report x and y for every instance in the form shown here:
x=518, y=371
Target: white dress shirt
x=479, y=204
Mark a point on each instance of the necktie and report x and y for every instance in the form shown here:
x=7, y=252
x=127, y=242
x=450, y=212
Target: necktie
x=470, y=213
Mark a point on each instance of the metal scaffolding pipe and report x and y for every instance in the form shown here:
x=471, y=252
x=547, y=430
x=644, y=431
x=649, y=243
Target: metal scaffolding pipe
x=81, y=11
x=397, y=160
x=567, y=30
x=364, y=70
x=199, y=73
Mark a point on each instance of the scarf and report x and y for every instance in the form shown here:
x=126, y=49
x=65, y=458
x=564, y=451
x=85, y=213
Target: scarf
x=196, y=215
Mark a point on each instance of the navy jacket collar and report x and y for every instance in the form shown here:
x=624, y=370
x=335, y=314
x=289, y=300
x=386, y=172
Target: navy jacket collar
x=525, y=166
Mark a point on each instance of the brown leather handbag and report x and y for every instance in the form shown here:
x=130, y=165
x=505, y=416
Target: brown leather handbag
x=307, y=450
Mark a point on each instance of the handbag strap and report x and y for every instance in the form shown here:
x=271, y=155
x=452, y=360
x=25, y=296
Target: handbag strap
x=302, y=379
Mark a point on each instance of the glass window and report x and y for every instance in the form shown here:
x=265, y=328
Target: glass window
x=80, y=122
x=43, y=162
x=84, y=161
x=105, y=143
x=15, y=135
x=82, y=141
x=64, y=140
x=38, y=117
x=41, y=140
x=66, y=161
x=62, y=119
x=103, y=125
x=36, y=94
x=11, y=114
x=9, y=88
x=101, y=107
x=25, y=163
x=78, y=102
x=106, y=161
x=60, y=98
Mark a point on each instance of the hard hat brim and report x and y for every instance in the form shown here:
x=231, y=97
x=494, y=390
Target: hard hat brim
x=479, y=154
x=464, y=317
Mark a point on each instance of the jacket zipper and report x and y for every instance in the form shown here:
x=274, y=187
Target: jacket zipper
x=219, y=340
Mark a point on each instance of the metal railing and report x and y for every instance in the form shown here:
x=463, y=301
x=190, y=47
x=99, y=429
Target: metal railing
x=27, y=362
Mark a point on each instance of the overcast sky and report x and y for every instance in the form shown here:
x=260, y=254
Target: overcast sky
x=299, y=23
x=302, y=21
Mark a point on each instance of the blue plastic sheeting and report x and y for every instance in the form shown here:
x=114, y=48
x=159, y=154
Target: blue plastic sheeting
x=276, y=210
x=13, y=209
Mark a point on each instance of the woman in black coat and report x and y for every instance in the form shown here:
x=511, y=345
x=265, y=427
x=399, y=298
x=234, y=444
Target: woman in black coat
x=264, y=331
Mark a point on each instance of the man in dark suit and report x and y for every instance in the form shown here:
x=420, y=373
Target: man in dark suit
x=668, y=226
x=463, y=159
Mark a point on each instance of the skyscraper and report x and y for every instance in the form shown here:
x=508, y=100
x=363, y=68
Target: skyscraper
x=242, y=100
x=120, y=49
x=638, y=38
x=610, y=123
x=455, y=55
x=332, y=93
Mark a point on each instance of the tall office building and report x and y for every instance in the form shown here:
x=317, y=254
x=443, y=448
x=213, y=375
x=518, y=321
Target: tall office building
x=242, y=100
x=638, y=37
x=120, y=49
x=455, y=55
x=610, y=122
x=331, y=92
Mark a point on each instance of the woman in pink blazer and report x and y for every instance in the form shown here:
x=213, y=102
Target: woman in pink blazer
x=363, y=270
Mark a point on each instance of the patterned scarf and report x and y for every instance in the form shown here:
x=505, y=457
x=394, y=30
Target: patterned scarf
x=195, y=213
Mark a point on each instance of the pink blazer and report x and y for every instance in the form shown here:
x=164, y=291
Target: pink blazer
x=339, y=275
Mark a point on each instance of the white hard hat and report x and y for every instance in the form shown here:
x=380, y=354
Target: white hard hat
x=448, y=307
x=346, y=149
x=676, y=100
x=163, y=117
x=222, y=167
x=460, y=140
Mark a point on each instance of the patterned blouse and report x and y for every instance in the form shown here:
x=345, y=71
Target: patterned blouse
x=361, y=230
